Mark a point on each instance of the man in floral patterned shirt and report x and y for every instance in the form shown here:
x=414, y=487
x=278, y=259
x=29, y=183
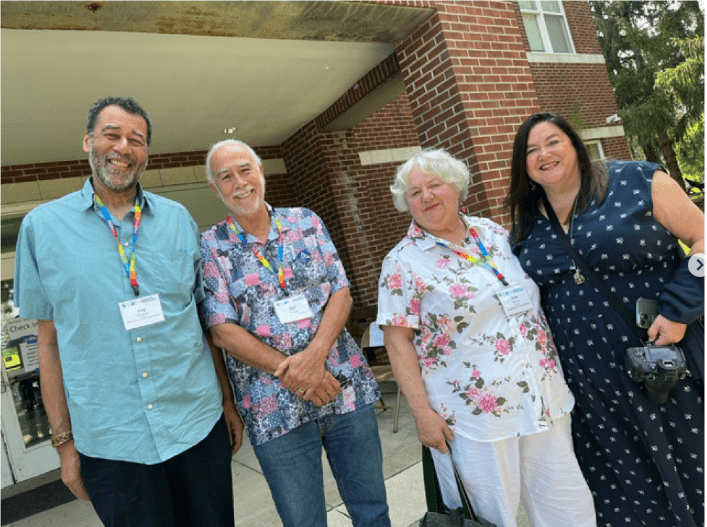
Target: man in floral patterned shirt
x=277, y=301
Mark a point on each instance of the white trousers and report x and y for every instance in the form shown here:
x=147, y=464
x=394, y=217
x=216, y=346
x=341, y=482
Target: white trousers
x=541, y=469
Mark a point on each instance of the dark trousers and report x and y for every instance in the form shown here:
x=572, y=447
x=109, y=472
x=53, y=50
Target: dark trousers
x=193, y=489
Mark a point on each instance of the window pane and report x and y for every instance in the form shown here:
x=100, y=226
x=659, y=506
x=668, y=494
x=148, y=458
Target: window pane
x=551, y=7
x=558, y=34
x=527, y=6
x=595, y=150
x=533, y=32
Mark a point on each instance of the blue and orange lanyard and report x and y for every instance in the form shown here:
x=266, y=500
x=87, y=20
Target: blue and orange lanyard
x=280, y=273
x=486, y=262
x=128, y=265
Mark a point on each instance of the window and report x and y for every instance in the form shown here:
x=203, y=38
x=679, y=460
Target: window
x=595, y=150
x=546, y=26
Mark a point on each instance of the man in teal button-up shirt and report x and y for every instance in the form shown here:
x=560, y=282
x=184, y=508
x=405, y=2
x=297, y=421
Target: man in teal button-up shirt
x=129, y=381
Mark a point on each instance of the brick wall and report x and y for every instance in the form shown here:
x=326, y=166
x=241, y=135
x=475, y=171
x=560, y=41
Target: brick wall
x=581, y=93
x=470, y=87
x=81, y=168
x=582, y=28
x=616, y=148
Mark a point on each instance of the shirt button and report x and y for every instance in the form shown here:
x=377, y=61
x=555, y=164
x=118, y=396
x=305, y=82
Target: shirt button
x=126, y=244
x=144, y=374
x=149, y=407
x=139, y=339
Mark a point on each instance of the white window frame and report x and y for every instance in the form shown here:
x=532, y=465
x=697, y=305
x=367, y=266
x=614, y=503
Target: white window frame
x=539, y=15
x=597, y=144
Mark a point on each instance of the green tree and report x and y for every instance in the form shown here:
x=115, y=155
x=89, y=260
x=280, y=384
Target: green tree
x=681, y=81
x=642, y=41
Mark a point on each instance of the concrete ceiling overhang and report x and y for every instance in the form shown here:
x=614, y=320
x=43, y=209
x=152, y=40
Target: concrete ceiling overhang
x=265, y=68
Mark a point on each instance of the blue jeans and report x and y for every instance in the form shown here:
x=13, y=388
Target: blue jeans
x=292, y=465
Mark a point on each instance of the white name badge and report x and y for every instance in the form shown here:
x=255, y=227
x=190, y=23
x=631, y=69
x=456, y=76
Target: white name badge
x=141, y=312
x=292, y=309
x=514, y=300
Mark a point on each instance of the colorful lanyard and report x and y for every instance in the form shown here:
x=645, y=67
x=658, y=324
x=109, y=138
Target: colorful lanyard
x=487, y=261
x=128, y=265
x=280, y=273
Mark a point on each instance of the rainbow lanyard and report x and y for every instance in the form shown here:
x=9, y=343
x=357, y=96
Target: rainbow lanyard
x=280, y=274
x=128, y=265
x=486, y=262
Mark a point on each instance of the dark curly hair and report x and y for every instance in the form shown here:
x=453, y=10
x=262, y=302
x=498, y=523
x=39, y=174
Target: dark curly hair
x=126, y=103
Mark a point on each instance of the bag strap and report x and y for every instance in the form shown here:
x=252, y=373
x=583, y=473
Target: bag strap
x=589, y=272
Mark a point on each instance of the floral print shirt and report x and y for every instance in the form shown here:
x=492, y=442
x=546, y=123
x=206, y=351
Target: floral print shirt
x=241, y=290
x=489, y=375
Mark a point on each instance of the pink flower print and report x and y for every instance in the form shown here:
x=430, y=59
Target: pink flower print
x=293, y=235
x=415, y=230
x=428, y=362
x=400, y=320
x=442, y=263
x=523, y=330
x=284, y=341
x=488, y=404
x=414, y=306
x=445, y=323
x=547, y=413
x=503, y=347
x=211, y=270
x=420, y=284
x=247, y=403
x=473, y=393
x=356, y=361
x=476, y=374
x=268, y=405
x=216, y=319
x=304, y=323
x=542, y=337
x=263, y=331
x=395, y=281
x=222, y=296
x=287, y=273
x=252, y=279
x=350, y=398
x=458, y=290
x=442, y=340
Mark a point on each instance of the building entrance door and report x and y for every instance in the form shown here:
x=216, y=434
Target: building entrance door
x=25, y=427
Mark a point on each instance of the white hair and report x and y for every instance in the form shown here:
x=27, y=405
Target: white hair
x=432, y=161
x=225, y=142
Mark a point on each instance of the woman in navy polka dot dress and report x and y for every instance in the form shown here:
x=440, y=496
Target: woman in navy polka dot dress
x=643, y=461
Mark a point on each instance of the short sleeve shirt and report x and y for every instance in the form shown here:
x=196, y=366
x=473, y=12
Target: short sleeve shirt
x=241, y=290
x=143, y=395
x=489, y=375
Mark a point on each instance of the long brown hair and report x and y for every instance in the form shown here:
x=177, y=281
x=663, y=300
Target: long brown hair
x=522, y=200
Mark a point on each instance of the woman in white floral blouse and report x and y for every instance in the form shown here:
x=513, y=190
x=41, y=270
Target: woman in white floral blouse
x=472, y=352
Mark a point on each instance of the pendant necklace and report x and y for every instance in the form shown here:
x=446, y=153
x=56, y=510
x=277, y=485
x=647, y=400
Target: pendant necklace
x=578, y=277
